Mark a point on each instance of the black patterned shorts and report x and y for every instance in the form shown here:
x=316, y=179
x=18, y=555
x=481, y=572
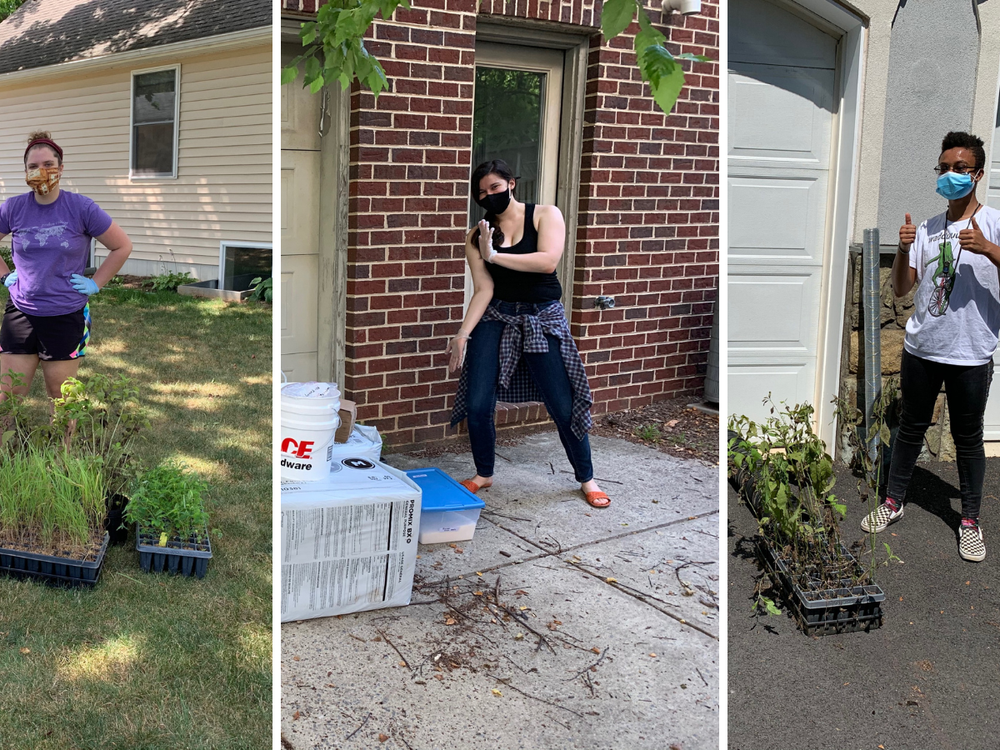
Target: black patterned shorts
x=53, y=338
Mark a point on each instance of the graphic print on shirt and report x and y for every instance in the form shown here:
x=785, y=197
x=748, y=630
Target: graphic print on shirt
x=944, y=274
x=43, y=234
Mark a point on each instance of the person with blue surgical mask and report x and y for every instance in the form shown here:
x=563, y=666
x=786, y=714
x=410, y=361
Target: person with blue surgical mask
x=951, y=336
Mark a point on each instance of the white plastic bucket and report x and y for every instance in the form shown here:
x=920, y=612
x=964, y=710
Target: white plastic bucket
x=309, y=422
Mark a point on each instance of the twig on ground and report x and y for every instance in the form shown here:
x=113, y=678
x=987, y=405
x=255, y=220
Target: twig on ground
x=701, y=676
x=359, y=728
x=501, y=515
x=385, y=638
x=506, y=682
x=586, y=669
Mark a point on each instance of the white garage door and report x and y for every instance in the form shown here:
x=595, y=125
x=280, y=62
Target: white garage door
x=991, y=420
x=300, y=165
x=782, y=80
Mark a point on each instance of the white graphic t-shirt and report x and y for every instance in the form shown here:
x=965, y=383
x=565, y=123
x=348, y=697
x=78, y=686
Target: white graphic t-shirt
x=956, y=316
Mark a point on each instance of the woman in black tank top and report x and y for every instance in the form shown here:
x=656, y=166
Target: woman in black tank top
x=515, y=331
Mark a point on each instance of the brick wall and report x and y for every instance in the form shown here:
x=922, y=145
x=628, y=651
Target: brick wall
x=647, y=219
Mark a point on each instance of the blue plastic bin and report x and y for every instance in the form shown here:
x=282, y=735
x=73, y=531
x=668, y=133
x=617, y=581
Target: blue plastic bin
x=448, y=511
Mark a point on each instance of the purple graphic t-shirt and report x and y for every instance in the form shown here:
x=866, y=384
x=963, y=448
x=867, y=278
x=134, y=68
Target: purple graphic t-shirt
x=50, y=244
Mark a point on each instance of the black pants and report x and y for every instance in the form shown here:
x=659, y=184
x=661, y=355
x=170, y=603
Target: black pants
x=966, y=388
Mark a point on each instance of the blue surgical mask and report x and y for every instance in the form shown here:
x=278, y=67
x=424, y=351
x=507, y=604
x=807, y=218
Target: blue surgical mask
x=952, y=185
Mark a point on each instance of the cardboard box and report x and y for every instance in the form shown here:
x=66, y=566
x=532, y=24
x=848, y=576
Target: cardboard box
x=349, y=542
x=348, y=413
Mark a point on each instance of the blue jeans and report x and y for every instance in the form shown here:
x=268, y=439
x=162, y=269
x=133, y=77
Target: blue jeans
x=549, y=374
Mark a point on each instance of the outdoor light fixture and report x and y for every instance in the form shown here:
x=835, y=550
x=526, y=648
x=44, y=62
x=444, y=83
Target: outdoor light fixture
x=687, y=7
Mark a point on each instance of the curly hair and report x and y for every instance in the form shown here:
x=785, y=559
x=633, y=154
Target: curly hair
x=43, y=135
x=968, y=141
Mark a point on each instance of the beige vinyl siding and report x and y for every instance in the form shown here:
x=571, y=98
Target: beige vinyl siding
x=223, y=187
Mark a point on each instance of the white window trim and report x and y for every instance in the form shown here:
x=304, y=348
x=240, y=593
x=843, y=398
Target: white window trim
x=131, y=124
x=236, y=243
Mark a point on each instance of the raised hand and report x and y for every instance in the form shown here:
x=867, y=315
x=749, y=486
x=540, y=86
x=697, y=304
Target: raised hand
x=907, y=234
x=486, y=248
x=973, y=240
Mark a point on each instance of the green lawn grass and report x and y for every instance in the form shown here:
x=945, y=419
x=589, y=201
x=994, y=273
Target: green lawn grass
x=148, y=661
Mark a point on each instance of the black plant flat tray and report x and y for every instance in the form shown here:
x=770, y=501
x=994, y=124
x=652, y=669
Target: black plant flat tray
x=824, y=611
x=188, y=560
x=58, y=571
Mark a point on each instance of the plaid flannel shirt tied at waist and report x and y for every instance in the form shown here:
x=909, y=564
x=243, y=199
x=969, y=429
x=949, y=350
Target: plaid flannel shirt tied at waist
x=525, y=333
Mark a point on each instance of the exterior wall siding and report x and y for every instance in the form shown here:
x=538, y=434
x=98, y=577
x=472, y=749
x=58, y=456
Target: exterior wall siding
x=647, y=218
x=223, y=189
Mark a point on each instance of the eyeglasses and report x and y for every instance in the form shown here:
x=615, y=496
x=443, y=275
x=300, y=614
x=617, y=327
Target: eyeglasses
x=944, y=169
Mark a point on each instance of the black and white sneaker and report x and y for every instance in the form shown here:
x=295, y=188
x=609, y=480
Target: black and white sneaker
x=970, y=543
x=881, y=517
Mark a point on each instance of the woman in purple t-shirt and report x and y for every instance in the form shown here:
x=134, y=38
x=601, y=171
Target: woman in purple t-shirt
x=47, y=318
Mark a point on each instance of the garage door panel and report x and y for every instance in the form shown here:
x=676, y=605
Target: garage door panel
x=300, y=209
x=298, y=310
x=785, y=314
x=791, y=114
x=299, y=113
x=991, y=419
x=777, y=217
x=299, y=368
x=791, y=382
x=768, y=33
x=782, y=103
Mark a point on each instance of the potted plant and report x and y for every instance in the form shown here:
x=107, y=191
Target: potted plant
x=99, y=418
x=167, y=506
x=782, y=470
x=52, y=509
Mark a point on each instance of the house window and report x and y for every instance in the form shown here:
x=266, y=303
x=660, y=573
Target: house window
x=154, y=122
x=242, y=262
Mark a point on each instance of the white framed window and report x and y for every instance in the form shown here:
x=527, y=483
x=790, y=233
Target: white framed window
x=154, y=115
x=241, y=262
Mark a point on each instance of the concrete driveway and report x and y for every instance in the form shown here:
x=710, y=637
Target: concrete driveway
x=558, y=626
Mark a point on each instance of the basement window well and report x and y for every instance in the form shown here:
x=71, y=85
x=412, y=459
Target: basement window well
x=239, y=264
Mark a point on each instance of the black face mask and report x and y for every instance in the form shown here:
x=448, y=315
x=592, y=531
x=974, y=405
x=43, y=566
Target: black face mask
x=495, y=203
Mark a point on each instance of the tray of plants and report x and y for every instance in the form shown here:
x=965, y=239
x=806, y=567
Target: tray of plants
x=168, y=510
x=785, y=476
x=820, y=608
x=52, y=508
x=59, y=477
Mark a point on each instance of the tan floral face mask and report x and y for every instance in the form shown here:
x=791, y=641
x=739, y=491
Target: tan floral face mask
x=43, y=179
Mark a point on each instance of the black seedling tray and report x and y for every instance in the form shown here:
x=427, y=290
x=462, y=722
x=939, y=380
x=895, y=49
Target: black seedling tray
x=191, y=559
x=846, y=609
x=59, y=571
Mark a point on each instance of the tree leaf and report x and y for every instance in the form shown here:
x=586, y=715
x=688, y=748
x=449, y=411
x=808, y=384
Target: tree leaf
x=616, y=15
x=288, y=75
x=666, y=79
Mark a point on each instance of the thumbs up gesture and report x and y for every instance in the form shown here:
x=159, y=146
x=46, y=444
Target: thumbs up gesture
x=907, y=235
x=972, y=239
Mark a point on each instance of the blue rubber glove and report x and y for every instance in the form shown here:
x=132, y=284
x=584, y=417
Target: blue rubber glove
x=84, y=285
x=11, y=278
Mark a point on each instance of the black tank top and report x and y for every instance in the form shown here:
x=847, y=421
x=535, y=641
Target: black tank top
x=524, y=286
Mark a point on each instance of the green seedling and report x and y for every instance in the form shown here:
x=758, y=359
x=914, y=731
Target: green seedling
x=169, y=500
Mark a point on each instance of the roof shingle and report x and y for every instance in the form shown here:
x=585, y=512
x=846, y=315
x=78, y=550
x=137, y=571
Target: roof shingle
x=48, y=32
